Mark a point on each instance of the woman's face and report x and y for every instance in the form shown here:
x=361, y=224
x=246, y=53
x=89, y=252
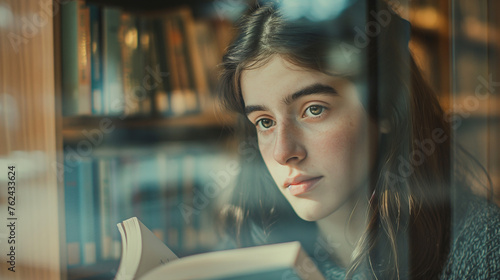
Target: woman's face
x=314, y=135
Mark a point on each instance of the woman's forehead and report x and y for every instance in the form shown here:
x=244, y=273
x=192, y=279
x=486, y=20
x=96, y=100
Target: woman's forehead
x=277, y=76
x=279, y=71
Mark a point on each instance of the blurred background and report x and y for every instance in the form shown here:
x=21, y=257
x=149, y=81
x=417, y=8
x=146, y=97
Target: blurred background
x=108, y=111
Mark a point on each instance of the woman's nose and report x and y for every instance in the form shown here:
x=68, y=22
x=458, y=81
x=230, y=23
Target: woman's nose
x=288, y=146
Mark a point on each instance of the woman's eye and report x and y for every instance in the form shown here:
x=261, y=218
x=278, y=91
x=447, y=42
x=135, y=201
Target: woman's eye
x=264, y=123
x=314, y=110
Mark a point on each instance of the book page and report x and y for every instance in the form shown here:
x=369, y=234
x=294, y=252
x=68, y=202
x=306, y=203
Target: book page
x=154, y=251
x=253, y=263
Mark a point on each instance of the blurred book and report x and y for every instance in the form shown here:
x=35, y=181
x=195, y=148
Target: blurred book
x=145, y=257
x=76, y=67
x=113, y=98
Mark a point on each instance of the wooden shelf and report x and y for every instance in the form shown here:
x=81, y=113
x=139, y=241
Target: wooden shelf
x=428, y=22
x=147, y=129
x=192, y=120
x=470, y=106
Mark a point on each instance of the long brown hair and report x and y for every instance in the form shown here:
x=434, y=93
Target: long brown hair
x=410, y=206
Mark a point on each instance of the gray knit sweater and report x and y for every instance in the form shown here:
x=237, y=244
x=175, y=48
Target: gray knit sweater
x=474, y=253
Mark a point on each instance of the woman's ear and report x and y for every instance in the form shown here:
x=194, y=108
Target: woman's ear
x=384, y=126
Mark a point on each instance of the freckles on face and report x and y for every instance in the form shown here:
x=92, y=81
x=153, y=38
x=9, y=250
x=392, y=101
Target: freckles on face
x=313, y=133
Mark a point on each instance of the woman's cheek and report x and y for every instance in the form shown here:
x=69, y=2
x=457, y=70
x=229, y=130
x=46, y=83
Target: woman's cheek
x=265, y=149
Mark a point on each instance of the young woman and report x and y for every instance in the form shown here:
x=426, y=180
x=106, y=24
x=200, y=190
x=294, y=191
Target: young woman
x=347, y=149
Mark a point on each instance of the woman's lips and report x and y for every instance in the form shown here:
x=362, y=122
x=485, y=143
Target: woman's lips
x=303, y=186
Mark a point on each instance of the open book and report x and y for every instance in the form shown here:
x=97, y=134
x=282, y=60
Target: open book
x=145, y=257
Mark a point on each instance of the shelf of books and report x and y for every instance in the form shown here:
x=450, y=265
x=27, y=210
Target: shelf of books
x=171, y=189
x=118, y=63
x=141, y=133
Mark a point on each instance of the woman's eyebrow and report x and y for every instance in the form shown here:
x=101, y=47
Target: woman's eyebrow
x=308, y=90
x=253, y=108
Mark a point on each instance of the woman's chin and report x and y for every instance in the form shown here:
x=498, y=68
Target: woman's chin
x=310, y=213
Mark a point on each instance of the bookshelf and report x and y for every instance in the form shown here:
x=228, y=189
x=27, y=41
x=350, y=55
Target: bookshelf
x=39, y=133
x=179, y=128
x=144, y=139
x=456, y=44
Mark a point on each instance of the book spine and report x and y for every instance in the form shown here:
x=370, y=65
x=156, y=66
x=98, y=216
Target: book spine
x=162, y=168
x=136, y=196
x=188, y=175
x=129, y=36
x=163, y=95
x=87, y=214
x=184, y=64
x=126, y=183
x=197, y=207
x=171, y=194
x=115, y=209
x=113, y=102
x=199, y=73
x=96, y=59
x=197, y=84
x=150, y=196
x=84, y=67
x=96, y=219
x=145, y=62
x=209, y=54
x=72, y=211
x=75, y=31
x=69, y=34
x=104, y=208
x=178, y=103
x=179, y=199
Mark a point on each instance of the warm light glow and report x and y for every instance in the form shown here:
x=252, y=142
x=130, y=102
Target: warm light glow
x=131, y=38
x=145, y=41
x=426, y=18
